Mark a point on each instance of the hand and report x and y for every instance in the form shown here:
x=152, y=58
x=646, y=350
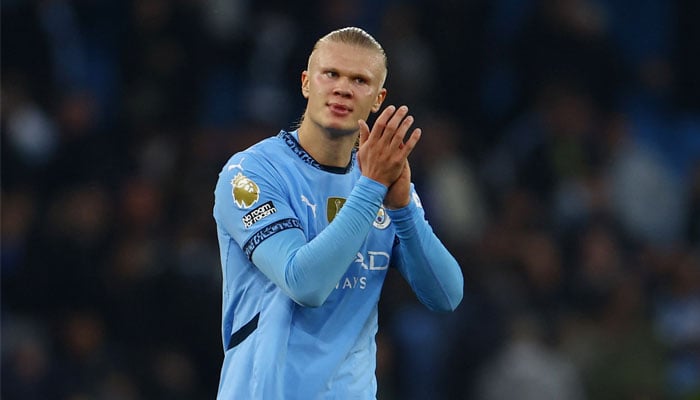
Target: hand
x=383, y=154
x=399, y=194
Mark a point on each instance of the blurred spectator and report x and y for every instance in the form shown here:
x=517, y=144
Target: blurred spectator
x=26, y=359
x=551, y=145
x=412, y=61
x=645, y=194
x=693, y=222
x=527, y=368
x=18, y=216
x=619, y=356
x=599, y=268
x=454, y=200
x=568, y=41
x=31, y=134
x=677, y=322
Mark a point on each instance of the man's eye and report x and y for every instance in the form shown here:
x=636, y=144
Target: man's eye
x=331, y=74
x=360, y=81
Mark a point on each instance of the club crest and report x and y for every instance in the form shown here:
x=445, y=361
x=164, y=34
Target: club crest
x=382, y=220
x=245, y=191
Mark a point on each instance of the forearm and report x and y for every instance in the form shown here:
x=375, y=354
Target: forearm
x=425, y=263
x=308, y=272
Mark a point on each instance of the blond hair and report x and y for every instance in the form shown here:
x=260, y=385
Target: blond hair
x=356, y=37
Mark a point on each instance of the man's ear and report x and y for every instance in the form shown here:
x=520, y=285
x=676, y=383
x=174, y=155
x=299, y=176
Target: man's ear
x=305, y=84
x=380, y=99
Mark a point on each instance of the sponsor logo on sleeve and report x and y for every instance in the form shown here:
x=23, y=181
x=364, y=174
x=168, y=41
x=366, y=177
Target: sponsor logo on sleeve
x=258, y=213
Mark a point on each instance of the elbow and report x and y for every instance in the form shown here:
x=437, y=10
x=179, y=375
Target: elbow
x=455, y=299
x=456, y=294
x=453, y=295
x=310, y=299
x=448, y=305
x=302, y=291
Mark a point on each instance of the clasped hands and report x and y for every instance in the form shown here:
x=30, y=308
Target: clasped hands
x=384, y=150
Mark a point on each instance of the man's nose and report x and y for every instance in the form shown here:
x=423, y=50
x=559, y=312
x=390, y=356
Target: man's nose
x=342, y=88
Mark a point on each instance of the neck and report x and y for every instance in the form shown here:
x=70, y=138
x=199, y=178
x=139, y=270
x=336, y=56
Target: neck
x=328, y=147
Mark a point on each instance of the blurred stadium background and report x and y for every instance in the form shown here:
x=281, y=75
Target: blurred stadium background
x=560, y=163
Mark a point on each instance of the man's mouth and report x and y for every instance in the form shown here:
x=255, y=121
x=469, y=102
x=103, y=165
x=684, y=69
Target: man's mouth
x=339, y=109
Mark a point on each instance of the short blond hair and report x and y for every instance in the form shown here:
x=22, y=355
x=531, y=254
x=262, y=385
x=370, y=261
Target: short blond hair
x=356, y=37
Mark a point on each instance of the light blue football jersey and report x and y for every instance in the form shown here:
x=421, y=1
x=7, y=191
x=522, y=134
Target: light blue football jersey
x=274, y=347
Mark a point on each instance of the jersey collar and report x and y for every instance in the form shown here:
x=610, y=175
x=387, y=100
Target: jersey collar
x=291, y=141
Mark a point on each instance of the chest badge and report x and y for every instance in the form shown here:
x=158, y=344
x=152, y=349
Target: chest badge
x=382, y=220
x=333, y=206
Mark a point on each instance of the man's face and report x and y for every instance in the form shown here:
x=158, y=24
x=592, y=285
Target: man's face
x=342, y=85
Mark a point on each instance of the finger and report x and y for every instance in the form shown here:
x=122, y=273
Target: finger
x=380, y=124
x=395, y=121
x=397, y=140
x=364, y=131
x=412, y=141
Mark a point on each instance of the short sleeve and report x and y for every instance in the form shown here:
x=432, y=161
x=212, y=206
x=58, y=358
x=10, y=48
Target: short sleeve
x=250, y=201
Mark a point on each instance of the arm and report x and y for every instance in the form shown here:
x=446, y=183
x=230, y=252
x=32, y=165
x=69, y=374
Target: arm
x=430, y=269
x=308, y=272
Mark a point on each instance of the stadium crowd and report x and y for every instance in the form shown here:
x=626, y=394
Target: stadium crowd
x=560, y=163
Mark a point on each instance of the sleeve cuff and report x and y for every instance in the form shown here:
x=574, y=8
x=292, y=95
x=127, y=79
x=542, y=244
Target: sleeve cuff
x=403, y=214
